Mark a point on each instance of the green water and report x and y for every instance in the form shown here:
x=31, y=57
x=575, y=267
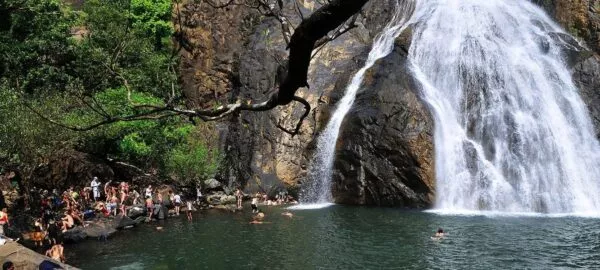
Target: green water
x=341, y=237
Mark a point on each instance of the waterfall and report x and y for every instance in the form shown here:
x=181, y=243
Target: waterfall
x=511, y=132
x=318, y=189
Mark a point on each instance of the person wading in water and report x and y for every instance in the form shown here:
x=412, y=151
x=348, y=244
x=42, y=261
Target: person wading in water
x=239, y=196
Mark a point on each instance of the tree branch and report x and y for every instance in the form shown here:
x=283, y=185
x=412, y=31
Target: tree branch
x=304, y=40
x=296, y=131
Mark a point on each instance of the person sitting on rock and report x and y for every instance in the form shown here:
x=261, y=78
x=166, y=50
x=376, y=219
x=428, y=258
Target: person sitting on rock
x=149, y=191
x=67, y=221
x=56, y=252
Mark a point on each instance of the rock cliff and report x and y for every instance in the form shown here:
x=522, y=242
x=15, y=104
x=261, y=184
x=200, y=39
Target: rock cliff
x=385, y=150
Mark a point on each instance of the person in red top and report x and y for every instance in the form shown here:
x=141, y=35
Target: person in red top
x=3, y=220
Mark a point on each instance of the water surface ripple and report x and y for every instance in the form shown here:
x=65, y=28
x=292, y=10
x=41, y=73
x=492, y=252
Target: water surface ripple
x=341, y=237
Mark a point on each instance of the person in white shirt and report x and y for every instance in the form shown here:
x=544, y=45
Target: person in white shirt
x=177, y=201
x=149, y=191
x=95, y=188
x=198, y=194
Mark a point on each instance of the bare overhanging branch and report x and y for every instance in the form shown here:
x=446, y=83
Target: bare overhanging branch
x=309, y=35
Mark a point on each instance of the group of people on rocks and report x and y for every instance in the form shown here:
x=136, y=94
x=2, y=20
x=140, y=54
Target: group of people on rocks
x=60, y=212
x=282, y=197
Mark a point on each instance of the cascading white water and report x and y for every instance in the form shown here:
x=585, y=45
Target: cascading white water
x=318, y=189
x=511, y=132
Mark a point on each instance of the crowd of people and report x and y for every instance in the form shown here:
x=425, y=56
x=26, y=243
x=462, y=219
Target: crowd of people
x=61, y=211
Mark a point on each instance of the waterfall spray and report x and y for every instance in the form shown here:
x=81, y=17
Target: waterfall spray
x=511, y=132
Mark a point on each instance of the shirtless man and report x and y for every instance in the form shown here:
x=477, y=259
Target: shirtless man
x=68, y=221
x=239, y=196
x=3, y=220
x=149, y=206
x=114, y=203
x=440, y=234
x=56, y=252
x=258, y=218
x=189, y=210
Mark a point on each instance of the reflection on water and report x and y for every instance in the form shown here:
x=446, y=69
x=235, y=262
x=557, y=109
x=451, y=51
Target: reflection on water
x=340, y=237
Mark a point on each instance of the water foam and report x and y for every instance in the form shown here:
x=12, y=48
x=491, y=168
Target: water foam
x=512, y=134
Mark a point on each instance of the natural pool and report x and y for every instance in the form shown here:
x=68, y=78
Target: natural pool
x=344, y=237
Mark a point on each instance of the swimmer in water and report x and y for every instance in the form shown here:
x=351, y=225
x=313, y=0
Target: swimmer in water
x=288, y=214
x=258, y=218
x=439, y=234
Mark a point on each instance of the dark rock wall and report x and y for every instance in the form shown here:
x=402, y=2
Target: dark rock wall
x=385, y=151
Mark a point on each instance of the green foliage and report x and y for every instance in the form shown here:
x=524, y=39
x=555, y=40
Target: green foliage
x=121, y=57
x=34, y=45
x=25, y=138
x=192, y=161
x=134, y=144
x=153, y=17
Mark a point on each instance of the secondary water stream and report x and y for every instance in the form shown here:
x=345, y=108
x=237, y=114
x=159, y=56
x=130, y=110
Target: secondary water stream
x=317, y=192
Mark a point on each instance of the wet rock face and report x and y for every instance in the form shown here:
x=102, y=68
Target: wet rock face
x=384, y=155
x=581, y=18
x=259, y=156
x=586, y=76
x=385, y=150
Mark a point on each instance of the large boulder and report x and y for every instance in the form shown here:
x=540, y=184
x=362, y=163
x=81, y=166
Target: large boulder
x=220, y=199
x=385, y=153
x=212, y=184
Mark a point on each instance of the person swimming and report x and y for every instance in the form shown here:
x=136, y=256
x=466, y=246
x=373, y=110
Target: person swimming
x=439, y=234
x=288, y=214
x=258, y=218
